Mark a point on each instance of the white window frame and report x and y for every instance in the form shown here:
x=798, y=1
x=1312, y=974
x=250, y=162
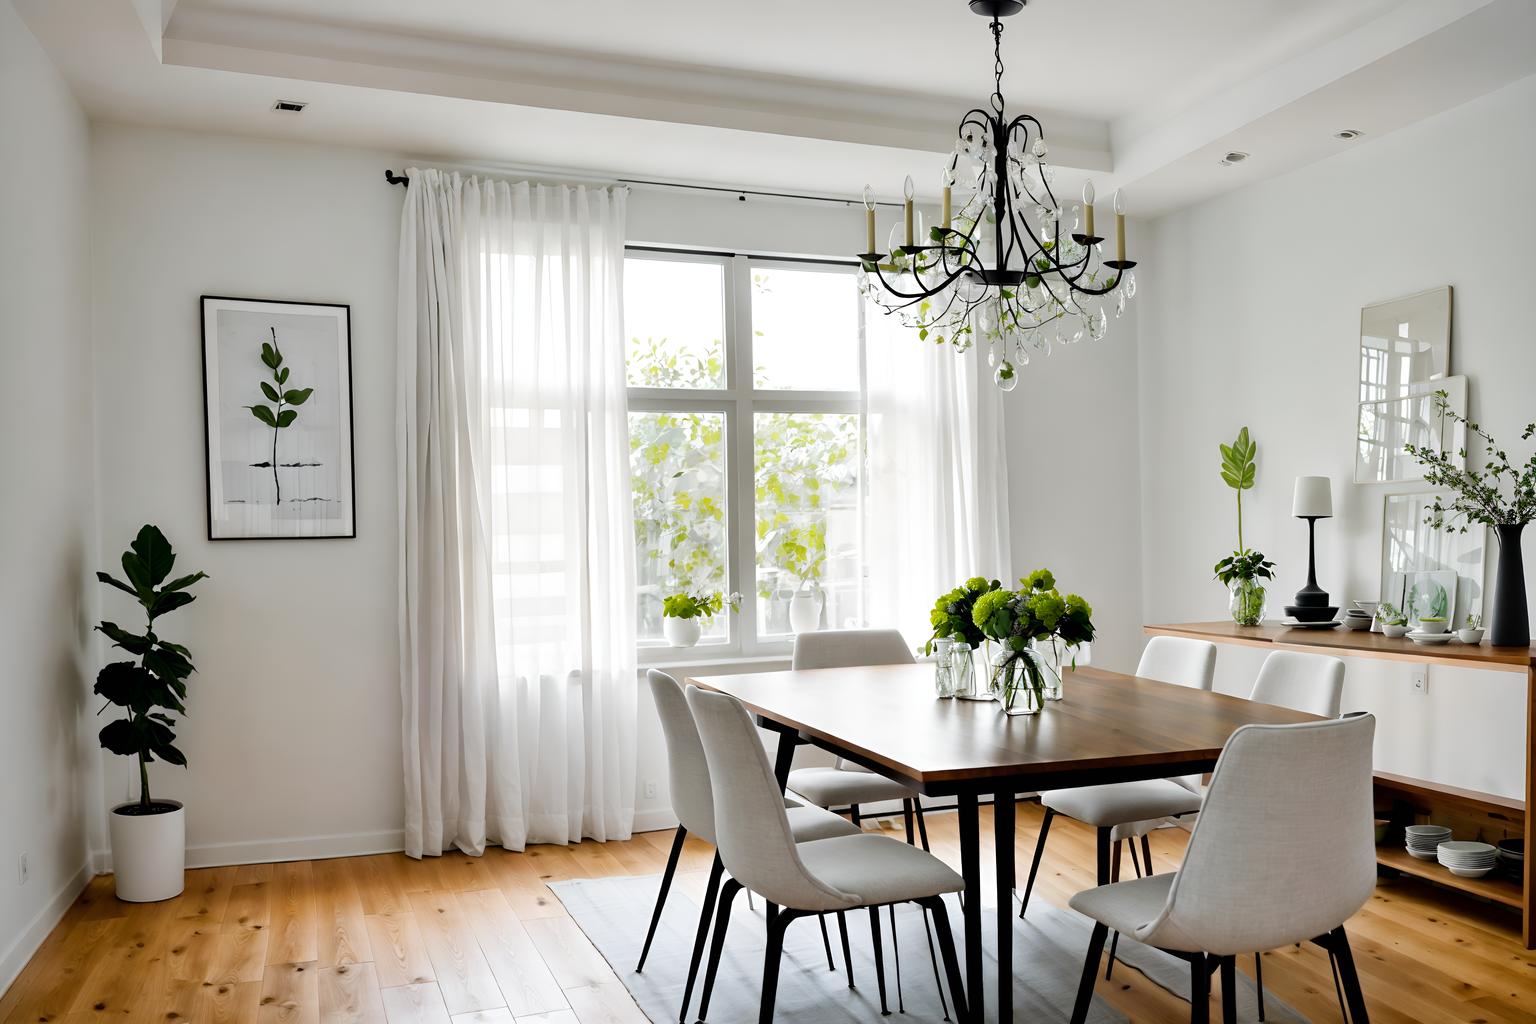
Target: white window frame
x=738, y=401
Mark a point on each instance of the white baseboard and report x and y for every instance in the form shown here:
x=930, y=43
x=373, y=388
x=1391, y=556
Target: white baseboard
x=268, y=851
x=14, y=958
x=657, y=819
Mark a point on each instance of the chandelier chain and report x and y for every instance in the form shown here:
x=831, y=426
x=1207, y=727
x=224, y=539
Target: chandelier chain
x=997, y=65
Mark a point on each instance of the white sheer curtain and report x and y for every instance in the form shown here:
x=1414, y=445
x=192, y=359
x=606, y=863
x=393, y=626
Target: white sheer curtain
x=517, y=645
x=938, y=494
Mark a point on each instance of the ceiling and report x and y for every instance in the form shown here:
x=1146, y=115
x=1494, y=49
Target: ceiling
x=794, y=95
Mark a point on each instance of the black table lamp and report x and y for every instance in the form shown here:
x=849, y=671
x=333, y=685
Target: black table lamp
x=1313, y=501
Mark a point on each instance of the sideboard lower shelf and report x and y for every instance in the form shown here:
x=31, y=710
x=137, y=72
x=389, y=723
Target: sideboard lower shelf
x=1441, y=800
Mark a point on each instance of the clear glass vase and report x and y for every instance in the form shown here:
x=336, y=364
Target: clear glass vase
x=943, y=670
x=1247, y=602
x=1053, y=655
x=1020, y=681
x=962, y=671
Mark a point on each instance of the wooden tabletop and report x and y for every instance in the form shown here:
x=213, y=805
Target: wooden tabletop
x=1361, y=643
x=1110, y=727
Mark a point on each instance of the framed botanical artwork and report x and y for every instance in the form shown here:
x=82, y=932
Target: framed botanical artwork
x=1421, y=563
x=277, y=406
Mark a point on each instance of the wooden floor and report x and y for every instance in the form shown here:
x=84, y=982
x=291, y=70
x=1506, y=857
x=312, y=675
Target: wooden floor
x=460, y=939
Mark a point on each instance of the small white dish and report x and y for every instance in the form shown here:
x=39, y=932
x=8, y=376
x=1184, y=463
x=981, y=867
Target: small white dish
x=1421, y=854
x=1430, y=639
x=1470, y=636
x=1393, y=632
x=1468, y=872
x=1298, y=624
x=1433, y=626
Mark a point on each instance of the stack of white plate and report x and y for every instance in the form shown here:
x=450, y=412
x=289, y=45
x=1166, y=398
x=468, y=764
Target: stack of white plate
x=1423, y=839
x=1468, y=860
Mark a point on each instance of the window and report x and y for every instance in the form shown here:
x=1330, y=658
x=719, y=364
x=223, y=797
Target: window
x=746, y=434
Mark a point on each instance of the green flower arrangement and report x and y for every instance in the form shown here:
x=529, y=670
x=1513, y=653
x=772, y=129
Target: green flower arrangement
x=953, y=615
x=695, y=606
x=1037, y=611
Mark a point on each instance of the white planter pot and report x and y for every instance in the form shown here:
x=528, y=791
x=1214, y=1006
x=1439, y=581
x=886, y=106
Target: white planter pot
x=149, y=853
x=681, y=632
x=805, y=612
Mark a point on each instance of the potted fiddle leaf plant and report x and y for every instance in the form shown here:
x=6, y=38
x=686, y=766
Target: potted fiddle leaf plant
x=148, y=834
x=683, y=614
x=1242, y=570
x=1501, y=495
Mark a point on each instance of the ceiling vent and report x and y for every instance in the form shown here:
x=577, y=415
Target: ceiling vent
x=289, y=106
x=1237, y=156
x=1348, y=134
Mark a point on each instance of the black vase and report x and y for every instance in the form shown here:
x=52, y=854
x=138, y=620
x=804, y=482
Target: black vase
x=1511, y=619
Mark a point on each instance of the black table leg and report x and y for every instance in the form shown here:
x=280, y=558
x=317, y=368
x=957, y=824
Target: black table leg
x=1002, y=840
x=788, y=739
x=970, y=870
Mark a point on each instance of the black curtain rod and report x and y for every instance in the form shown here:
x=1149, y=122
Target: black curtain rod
x=740, y=193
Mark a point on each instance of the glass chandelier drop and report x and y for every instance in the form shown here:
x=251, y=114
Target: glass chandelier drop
x=1011, y=269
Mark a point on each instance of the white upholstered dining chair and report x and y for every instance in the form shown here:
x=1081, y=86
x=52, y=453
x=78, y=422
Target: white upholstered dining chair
x=798, y=879
x=693, y=802
x=1313, y=683
x=1282, y=853
x=1116, y=808
x=846, y=784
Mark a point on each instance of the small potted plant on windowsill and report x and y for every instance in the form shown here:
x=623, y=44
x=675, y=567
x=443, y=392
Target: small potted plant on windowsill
x=148, y=835
x=683, y=615
x=802, y=553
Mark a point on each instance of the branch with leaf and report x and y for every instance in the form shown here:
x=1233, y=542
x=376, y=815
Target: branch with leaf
x=1239, y=470
x=285, y=410
x=154, y=686
x=1477, y=496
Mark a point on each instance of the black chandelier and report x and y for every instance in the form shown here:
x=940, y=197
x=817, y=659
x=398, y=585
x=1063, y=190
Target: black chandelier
x=1012, y=269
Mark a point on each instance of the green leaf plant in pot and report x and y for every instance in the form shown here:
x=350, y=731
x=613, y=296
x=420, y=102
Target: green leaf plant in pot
x=1501, y=495
x=1242, y=570
x=1023, y=623
x=148, y=835
x=683, y=614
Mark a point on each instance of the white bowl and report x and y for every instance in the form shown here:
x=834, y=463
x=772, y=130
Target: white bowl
x=1395, y=632
x=1430, y=639
x=1433, y=626
x=1470, y=636
x=1468, y=872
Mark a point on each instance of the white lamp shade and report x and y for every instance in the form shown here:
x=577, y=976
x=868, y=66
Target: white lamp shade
x=1314, y=498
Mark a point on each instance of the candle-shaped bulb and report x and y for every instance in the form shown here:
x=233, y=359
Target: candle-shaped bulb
x=869, y=198
x=1088, y=192
x=908, y=189
x=1120, y=202
x=1088, y=209
x=948, y=178
x=1119, y=226
x=869, y=219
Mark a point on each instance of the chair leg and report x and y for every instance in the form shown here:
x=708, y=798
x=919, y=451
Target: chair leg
x=1258, y=982
x=1114, y=944
x=1114, y=859
x=661, y=894
x=826, y=941
x=1104, y=844
x=901, y=1004
x=940, y=915
x=1090, y=972
x=778, y=920
x=1338, y=989
x=938, y=980
x=922, y=823
x=1228, y=990
x=1200, y=991
x=907, y=819
x=1135, y=860
x=853, y=815
x=722, y=924
x=1358, y=1014
x=1146, y=856
x=1034, y=865
x=706, y=914
x=842, y=927
x=874, y=931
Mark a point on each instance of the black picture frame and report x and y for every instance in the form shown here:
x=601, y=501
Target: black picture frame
x=216, y=407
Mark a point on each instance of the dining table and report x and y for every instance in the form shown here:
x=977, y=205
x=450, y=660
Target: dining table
x=1107, y=727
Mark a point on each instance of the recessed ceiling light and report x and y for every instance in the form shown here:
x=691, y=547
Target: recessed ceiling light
x=1347, y=134
x=1237, y=156
x=289, y=106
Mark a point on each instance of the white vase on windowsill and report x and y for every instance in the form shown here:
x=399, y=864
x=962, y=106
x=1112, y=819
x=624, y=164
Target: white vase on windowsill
x=681, y=632
x=805, y=611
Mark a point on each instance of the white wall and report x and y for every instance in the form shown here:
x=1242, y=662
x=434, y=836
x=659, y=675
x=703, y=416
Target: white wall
x=1252, y=307
x=293, y=727
x=47, y=605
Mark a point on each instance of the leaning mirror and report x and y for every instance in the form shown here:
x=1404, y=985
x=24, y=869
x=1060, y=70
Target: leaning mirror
x=1404, y=342
x=1386, y=425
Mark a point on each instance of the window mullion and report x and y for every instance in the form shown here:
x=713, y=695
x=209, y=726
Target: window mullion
x=742, y=509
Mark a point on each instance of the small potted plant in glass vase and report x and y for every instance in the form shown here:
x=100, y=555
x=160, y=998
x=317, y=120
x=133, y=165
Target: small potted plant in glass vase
x=956, y=637
x=683, y=614
x=1023, y=622
x=1500, y=495
x=148, y=835
x=1242, y=570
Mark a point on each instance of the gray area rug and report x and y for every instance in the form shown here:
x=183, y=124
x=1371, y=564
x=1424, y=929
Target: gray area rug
x=1047, y=961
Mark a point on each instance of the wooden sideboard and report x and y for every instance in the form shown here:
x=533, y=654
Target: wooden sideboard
x=1402, y=799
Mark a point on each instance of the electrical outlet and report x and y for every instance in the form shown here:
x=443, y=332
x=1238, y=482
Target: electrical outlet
x=22, y=871
x=650, y=789
x=1419, y=678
